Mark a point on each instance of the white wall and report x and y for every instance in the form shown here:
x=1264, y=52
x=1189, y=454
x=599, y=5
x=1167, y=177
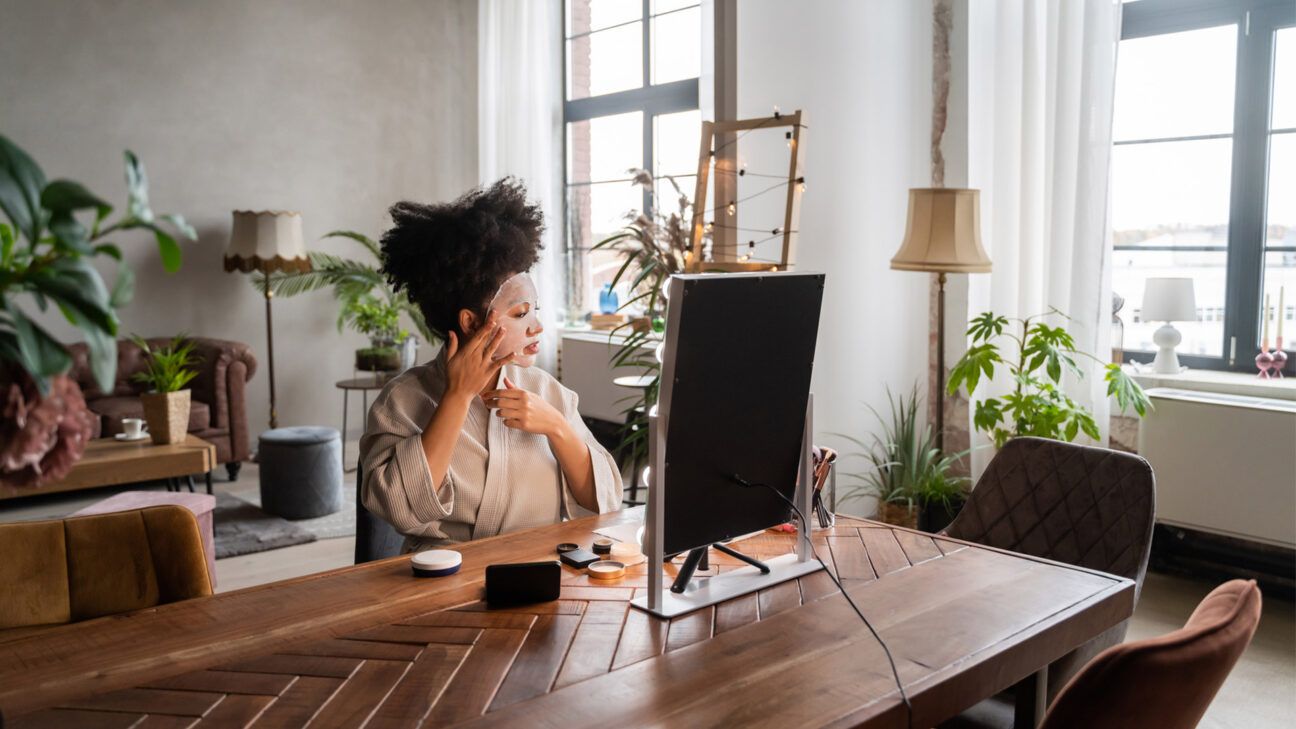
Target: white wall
x=862, y=71
x=336, y=110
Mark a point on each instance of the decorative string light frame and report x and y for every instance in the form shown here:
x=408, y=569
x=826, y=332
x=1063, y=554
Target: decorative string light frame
x=795, y=187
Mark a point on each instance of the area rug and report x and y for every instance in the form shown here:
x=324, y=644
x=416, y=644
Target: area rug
x=341, y=523
x=243, y=528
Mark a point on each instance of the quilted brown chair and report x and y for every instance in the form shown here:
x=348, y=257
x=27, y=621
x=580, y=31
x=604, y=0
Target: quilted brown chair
x=217, y=411
x=1090, y=507
x=1166, y=682
x=83, y=567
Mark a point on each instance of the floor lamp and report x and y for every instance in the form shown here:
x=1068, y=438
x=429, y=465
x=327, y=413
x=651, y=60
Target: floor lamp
x=942, y=236
x=267, y=241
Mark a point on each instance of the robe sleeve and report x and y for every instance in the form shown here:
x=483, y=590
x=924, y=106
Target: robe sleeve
x=397, y=484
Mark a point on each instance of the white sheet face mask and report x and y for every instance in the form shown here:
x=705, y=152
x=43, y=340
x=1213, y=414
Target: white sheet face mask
x=518, y=307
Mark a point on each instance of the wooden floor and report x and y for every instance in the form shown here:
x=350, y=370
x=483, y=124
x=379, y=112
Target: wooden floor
x=1260, y=693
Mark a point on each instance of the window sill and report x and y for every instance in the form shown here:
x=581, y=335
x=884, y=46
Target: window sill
x=1230, y=383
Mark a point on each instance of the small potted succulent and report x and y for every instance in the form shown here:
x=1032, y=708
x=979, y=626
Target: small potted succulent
x=380, y=321
x=166, y=405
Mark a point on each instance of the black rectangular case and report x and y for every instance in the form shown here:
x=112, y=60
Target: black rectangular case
x=516, y=584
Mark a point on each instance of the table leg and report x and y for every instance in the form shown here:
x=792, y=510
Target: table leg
x=191, y=483
x=345, y=398
x=209, y=483
x=1031, y=700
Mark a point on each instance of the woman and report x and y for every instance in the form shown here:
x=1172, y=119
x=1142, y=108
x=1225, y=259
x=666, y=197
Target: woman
x=477, y=442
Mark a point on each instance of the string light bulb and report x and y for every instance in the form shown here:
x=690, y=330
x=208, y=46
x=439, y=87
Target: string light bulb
x=710, y=226
x=802, y=181
x=776, y=111
x=733, y=207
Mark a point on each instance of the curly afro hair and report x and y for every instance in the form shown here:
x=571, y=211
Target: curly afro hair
x=453, y=256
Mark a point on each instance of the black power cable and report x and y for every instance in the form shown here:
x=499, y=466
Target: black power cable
x=831, y=573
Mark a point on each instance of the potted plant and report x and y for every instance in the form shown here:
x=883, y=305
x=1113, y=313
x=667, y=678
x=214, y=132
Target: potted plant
x=1037, y=405
x=906, y=472
x=46, y=250
x=367, y=303
x=166, y=404
x=653, y=245
x=380, y=321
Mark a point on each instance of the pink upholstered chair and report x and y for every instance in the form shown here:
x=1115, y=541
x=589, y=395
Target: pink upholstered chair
x=1166, y=682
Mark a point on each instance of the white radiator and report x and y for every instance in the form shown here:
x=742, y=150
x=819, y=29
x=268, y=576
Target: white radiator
x=1224, y=464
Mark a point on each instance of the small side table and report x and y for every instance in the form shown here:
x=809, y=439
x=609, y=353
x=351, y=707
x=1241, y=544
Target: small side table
x=364, y=385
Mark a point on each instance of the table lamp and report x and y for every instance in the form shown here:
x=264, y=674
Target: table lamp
x=943, y=235
x=1168, y=300
x=267, y=241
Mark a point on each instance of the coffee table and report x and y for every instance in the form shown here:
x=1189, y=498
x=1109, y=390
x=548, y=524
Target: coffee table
x=110, y=462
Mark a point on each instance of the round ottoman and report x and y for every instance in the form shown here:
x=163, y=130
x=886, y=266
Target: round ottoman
x=301, y=471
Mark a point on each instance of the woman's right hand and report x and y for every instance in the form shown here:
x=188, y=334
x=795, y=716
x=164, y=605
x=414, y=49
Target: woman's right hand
x=473, y=368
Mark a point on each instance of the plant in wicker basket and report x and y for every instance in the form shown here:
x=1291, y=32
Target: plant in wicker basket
x=55, y=230
x=166, y=405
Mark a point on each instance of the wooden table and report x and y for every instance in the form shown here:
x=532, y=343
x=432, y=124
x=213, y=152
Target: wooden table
x=372, y=644
x=111, y=462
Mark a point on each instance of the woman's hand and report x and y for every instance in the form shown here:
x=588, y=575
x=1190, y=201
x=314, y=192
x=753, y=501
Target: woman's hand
x=526, y=411
x=473, y=367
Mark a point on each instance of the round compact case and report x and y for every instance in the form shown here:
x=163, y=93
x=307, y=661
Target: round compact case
x=436, y=563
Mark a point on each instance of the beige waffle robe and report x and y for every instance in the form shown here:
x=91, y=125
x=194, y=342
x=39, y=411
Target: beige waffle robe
x=500, y=479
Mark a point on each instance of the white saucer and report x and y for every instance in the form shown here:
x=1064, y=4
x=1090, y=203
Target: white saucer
x=125, y=438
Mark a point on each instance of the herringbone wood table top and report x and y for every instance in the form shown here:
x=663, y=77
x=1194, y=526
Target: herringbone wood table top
x=963, y=621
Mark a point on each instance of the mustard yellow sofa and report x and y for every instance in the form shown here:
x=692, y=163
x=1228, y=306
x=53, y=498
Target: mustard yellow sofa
x=68, y=570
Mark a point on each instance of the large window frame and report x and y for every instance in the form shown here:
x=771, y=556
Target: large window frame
x=1256, y=21
x=652, y=100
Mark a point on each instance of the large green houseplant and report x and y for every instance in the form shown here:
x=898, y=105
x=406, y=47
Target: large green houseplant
x=1039, y=355
x=367, y=303
x=653, y=245
x=54, y=230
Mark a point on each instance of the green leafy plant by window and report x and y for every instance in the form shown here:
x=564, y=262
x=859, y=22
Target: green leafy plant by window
x=46, y=250
x=1041, y=356
x=352, y=281
x=652, y=245
x=169, y=367
x=904, y=467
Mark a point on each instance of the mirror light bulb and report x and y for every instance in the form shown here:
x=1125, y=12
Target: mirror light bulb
x=661, y=352
x=646, y=477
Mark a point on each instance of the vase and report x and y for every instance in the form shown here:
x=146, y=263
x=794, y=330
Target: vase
x=167, y=415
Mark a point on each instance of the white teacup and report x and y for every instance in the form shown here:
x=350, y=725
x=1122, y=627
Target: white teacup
x=133, y=427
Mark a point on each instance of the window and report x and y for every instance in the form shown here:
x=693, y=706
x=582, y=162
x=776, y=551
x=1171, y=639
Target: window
x=631, y=101
x=1204, y=169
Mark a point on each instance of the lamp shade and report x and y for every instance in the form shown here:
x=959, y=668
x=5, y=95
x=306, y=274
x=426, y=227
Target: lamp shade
x=1169, y=299
x=943, y=233
x=266, y=241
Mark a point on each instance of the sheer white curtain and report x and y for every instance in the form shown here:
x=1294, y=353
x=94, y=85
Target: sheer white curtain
x=1041, y=79
x=519, y=127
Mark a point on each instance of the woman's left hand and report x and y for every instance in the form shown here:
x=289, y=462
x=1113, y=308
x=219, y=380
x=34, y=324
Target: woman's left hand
x=525, y=410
